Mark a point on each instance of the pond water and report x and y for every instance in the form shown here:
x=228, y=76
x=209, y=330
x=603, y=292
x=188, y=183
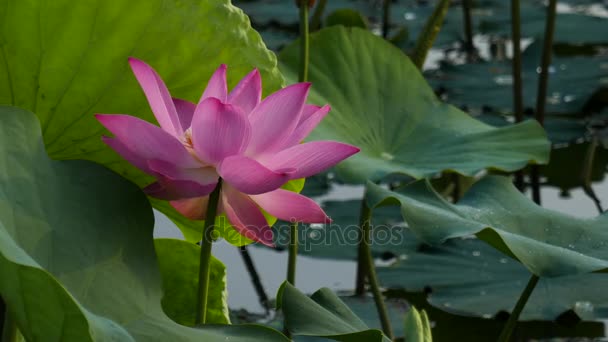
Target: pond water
x=313, y=273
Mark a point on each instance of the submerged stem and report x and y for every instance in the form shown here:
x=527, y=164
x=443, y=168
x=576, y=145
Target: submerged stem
x=518, y=103
x=366, y=214
x=255, y=277
x=468, y=29
x=315, y=21
x=505, y=335
x=386, y=17
x=543, y=82
x=205, y=263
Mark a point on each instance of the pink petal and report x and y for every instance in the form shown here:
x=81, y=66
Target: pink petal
x=192, y=208
x=147, y=141
x=128, y=155
x=291, y=206
x=251, y=177
x=276, y=116
x=307, y=111
x=219, y=130
x=216, y=87
x=185, y=110
x=245, y=216
x=248, y=93
x=158, y=96
x=306, y=126
x=176, y=190
x=201, y=175
x=311, y=158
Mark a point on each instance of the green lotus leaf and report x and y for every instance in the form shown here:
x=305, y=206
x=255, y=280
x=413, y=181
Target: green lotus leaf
x=547, y=243
x=77, y=260
x=67, y=60
x=382, y=104
x=346, y=17
x=323, y=315
x=471, y=278
x=179, y=267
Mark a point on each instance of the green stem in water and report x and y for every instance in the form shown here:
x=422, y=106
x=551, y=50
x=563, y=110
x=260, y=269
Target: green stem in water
x=361, y=270
x=10, y=333
x=507, y=331
x=468, y=29
x=315, y=21
x=293, y=254
x=429, y=33
x=543, y=82
x=386, y=17
x=588, y=172
x=304, y=49
x=205, y=263
x=366, y=214
x=518, y=103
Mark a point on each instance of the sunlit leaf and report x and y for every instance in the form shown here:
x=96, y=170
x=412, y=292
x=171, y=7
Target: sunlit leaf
x=382, y=104
x=67, y=60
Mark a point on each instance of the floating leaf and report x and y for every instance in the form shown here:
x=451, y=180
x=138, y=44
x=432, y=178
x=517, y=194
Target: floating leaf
x=547, y=243
x=67, y=60
x=471, y=278
x=324, y=315
x=77, y=259
x=489, y=85
x=382, y=104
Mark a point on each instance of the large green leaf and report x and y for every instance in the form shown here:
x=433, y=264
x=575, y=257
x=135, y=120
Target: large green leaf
x=323, y=314
x=77, y=259
x=179, y=267
x=66, y=60
x=548, y=243
x=469, y=277
x=382, y=104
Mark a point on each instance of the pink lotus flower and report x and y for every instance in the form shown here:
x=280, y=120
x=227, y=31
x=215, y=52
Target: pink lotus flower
x=252, y=144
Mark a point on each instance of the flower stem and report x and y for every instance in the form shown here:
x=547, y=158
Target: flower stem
x=303, y=75
x=366, y=214
x=205, y=264
x=505, y=335
x=518, y=103
x=543, y=81
x=293, y=253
